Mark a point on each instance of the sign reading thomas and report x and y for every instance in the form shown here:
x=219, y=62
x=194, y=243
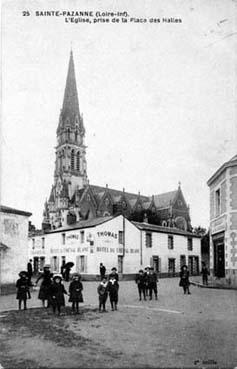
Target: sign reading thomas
x=107, y=234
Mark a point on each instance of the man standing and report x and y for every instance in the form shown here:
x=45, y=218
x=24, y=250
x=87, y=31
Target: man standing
x=205, y=273
x=29, y=272
x=102, y=271
x=152, y=283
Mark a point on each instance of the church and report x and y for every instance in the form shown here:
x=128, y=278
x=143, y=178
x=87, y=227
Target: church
x=73, y=199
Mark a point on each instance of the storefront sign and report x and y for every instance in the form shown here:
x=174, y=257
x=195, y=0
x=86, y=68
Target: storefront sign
x=73, y=237
x=218, y=225
x=63, y=250
x=107, y=234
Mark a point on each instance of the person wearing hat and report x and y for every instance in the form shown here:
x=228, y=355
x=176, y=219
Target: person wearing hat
x=152, y=282
x=184, y=279
x=146, y=273
x=103, y=293
x=57, y=291
x=44, y=292
x=113, y=288
x=75, y=292
x=114, y=273
x=141, y=284
x=22, y=285
x=102, y=271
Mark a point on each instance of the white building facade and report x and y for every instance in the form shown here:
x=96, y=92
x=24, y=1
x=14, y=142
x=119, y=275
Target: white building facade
x=116, y=242
x=223, y=223
x=13, y=246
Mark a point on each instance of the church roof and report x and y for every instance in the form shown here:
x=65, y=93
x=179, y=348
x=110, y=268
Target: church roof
x=164, y=200
x=51, y=196
x=116, y=194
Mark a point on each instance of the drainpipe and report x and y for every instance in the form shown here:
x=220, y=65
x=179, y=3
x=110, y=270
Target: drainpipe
x=123, y=242
x=140, y=247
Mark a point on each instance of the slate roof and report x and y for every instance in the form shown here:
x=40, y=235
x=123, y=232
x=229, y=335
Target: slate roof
x=232, y=162
x=156, y=228
x=163, y=200
x=83, y=224
x=7, y=209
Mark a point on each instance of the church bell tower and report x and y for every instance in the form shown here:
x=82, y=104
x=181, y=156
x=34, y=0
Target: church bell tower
x=70, y=172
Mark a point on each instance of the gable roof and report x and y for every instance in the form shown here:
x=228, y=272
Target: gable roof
x=164, y=200
x=83, y=224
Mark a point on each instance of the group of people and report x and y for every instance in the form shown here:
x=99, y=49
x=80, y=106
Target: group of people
x=147, y=283
x=52, y=290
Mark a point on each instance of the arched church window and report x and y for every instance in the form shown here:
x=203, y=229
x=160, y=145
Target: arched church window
x=72, y=160
x=76, y=135
x=68, y=133
x=78, y=160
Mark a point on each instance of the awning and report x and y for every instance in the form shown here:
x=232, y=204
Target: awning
x=3, y=246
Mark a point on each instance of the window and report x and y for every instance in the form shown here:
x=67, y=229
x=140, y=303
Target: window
x=33, y=243
x=82, y=234
x=72, y=160
x=120, y=264
x=43, y=242
x=218, y=202
x=68, y=133
x=120, y=238
x=148, y=239
x=82, y=263
x=171, y=265
x=41, y=263
x=78, y=160
x=170, y=242
x=55, y=263
x=63, y=238
x=190, y=243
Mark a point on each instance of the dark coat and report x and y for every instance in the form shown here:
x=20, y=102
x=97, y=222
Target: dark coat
x=22, y=285
x=44, y=292
x=184, y=278
x=57, y=292
x=152, y=279
x=141, y=280
x=113, y=288
x=103, y=292
x=102, y=270
x=29, y=269
x=75, y=289
x=205, y=271
x=115, y=275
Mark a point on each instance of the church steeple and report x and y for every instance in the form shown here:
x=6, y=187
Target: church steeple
x=70, y=117
x=70, y=102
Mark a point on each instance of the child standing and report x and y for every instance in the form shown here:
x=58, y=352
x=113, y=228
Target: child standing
x=141, y=284
x=57, y=292
x=22, y=286
x=113, y=287
x=75, y=291
x=103, y=293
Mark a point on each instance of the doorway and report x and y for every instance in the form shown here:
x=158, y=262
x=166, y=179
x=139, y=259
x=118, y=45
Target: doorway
x=219, y=258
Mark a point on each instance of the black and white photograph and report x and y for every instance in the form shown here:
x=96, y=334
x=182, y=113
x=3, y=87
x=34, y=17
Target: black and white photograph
x=118, y=186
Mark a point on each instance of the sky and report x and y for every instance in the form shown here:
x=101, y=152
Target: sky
x=158, y=99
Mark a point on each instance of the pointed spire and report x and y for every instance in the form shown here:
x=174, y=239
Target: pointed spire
x=70, y=109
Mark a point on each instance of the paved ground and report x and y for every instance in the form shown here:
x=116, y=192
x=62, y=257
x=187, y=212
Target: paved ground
x=197, y=330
